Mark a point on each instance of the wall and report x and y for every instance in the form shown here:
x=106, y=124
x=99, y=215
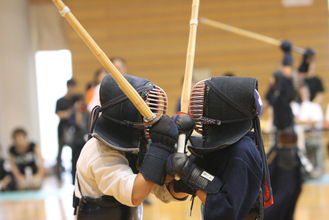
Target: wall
x=152, y=36
x=18, y=95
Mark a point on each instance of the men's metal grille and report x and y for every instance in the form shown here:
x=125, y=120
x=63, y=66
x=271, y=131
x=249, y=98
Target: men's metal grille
x=196, y=104
x=157, y=101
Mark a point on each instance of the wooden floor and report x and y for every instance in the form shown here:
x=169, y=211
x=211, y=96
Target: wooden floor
x=53, y=202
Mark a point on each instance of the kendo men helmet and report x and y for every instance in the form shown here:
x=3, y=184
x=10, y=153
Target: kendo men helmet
x=120, y=125
x=223, y=108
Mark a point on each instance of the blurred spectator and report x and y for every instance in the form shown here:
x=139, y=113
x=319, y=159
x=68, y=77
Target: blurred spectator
x=26, y=161
x=80, y=116
x=7, y=181
x=65, y=129
x=309, y=120
x=307, y=72
x=121, y=65
x=99, y=74
x=309, y=114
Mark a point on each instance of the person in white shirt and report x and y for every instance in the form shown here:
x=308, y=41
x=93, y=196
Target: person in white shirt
x=309, y=113
x=309, y=122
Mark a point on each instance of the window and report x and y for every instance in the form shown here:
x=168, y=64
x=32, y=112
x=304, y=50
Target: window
x=53, y=69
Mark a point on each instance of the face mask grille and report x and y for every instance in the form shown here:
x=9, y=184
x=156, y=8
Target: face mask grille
x=157, y=101
x=197, y=104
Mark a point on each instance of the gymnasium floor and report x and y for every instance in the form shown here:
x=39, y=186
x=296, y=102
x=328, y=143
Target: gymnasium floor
x=53, y=202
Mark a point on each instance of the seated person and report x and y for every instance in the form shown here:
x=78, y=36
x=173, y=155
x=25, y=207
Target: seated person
x=26, y=161
x=7, y=182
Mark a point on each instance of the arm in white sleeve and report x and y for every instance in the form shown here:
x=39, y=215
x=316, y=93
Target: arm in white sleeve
x=163, y=194
x=114, y=177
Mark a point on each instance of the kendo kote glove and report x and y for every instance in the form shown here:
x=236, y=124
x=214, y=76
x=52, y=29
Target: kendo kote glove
x=287, y=57
x=185, y=124
x=191, y=174
x=164, y=135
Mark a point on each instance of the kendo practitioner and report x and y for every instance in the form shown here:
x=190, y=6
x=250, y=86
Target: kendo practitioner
x=284, y=162
x=118, y=167
x=227, y=168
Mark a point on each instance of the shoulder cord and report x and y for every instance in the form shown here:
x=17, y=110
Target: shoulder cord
x=76, y=200
x=266, y=181
x=92, y=120
x=192, y=199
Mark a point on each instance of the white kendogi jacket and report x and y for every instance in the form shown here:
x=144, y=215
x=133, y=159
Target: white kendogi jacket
x=102, y=170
